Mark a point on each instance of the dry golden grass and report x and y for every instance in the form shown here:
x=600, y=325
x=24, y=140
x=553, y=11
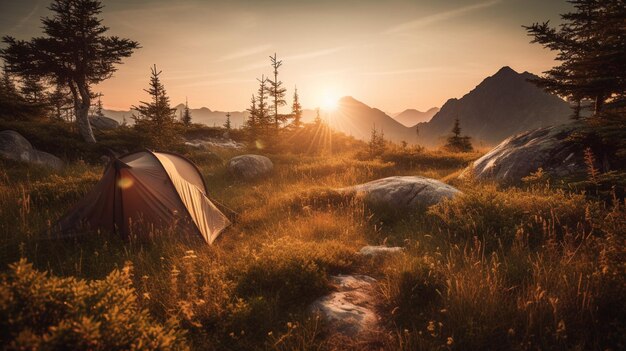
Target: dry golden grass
x=493, y=269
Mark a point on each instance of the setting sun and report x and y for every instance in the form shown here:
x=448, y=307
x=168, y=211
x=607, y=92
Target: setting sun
x=330, y=101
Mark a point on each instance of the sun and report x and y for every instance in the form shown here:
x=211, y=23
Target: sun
x=330, y=101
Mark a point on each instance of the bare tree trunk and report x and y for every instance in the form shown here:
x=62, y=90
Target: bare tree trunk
x=599, y=104
x=81, y=110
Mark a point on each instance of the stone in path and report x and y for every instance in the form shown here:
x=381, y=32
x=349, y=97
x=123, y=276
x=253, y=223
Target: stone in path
x=378, y=250
x=350, y=309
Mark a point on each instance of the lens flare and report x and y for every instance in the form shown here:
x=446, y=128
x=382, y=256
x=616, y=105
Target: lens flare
x=125, y=182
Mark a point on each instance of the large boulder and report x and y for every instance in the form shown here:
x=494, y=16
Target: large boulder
x=15, y=147
x=103, y=123
x=250, y=166
x=524, y=153
x=403, y=192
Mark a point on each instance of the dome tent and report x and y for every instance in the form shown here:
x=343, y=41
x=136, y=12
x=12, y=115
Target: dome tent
x=145, y=191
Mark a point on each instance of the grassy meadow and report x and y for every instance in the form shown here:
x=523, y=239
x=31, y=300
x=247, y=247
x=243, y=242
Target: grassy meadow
x=532, y=267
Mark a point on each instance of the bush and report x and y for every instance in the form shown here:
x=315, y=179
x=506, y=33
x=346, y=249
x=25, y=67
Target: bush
x=38, y=311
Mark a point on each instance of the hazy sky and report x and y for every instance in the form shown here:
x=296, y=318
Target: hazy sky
x=389, y=54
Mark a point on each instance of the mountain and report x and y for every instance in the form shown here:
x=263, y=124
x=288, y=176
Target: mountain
x=214, y=118
x=500, y=106
x=198, y=115
x=355, y=118
x=411, y=117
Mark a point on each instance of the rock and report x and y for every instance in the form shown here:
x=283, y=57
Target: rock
x=403, y=192
x=379, y=250
x=524, y=153
x=15, y=147
x=350, y=310
x=250, y=166
x=103, y=123
x=214, y=142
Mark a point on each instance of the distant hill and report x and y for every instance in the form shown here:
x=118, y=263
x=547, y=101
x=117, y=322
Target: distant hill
x=355, y=118
x=198, y=115
x=500, y=106
x=411, y=117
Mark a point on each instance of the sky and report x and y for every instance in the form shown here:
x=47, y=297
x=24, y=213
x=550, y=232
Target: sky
x=392, y=54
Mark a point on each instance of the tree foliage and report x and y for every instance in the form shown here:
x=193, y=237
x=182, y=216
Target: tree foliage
x=74, y=52
x=457, y=142
x=276, y=92
x=296, y=110
x=591, y=46
x=186, y=118
x=156, y=118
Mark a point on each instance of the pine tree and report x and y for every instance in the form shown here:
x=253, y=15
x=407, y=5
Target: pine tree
x=227, y=124
x=156, y=118
x=263, y=118
x=456, y=142
x=251, y=122
x=7, y=86
x=590, y=45
x=186, y=115
x=296, y=110
x=32, y=90
x=60, y=101
x=99, y=109
x=377, y=143
x=74, y=51
x=276, y=92
x=318, y=120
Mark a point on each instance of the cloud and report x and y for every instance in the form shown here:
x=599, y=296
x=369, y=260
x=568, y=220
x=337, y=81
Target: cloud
x=312, y=54
x=404, y=71
x=244, y=53
x=438, y=17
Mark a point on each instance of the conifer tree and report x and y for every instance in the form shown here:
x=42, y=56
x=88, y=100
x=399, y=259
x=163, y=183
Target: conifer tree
x=7, y=85
x=318, y=120
x=60, y=101
x=251, y=122
x=156, y=119
x=296, y=110
x=98, y=111
x=74, y=51
x=186, y=115
x=227, y=124
x=376, y=143
x=263, y=118
x=590, y=44
x=276, y=92
x=456, y=142
x=32, y=90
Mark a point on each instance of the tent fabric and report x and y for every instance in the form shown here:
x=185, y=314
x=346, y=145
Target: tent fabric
x=144, y=192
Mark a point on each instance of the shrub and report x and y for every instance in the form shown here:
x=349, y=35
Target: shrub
x=38, y=311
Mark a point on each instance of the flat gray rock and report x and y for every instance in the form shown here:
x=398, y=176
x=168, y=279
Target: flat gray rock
x=524, y=153
x=250, y=166
x=350, y=309
x=15, y=147
x=377, y=250
x=404, y=192
x=103, y=123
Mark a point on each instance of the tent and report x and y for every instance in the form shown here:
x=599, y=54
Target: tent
x=144, y=192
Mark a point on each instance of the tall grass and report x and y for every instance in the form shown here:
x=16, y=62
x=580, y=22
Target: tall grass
x=516, y=268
